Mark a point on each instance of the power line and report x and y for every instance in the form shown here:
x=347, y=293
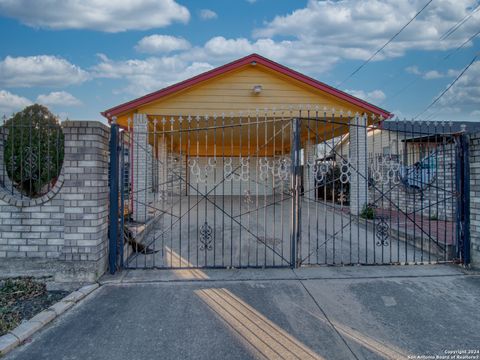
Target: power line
x=444, y=58
x=401, y=90
x=384, y=45
x=448, y=87
x=459, y=24
x=443, y=37
x=390, y=98
x=432, y=115
x=461, y=46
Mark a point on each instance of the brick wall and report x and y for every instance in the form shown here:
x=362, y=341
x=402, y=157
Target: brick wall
x=435, y=200
x=475, y=199
x=63, y=233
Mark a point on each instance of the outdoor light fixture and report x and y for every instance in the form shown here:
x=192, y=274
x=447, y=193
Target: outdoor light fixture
x=257, y=89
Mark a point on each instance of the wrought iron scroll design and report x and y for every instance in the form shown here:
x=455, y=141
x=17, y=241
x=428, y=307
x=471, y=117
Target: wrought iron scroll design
x=206, y=237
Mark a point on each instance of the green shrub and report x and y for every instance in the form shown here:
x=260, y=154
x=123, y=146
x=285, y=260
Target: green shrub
x=368, y=212
x=434, y=217
x=34, y=150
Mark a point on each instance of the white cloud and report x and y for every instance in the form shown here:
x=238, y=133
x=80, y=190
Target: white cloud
x=161, y=43
x=354, y=29
x=42, y=70
x=207, y=14
x=435, y=74
x=311, y=40
x=153, y=73
x=149, y=74
x=413, y=70
x=466, y=91
x=287, y=52
x=372, y=96
x=11, y=103
x=61, y=98
x=461, y=101
x=452, y=73
x=103, y=15
x=431, y=74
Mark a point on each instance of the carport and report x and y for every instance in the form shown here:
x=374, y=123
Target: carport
x=217, y=167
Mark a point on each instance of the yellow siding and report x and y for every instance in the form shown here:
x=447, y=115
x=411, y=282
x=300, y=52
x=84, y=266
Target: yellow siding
x=232, y=92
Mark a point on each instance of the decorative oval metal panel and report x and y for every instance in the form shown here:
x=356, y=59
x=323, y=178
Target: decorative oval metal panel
x=32, y=152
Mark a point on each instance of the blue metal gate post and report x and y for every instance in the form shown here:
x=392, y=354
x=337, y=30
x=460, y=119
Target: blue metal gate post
x=462, y=189
x=121, y=211
x=113, y=216
x=296, y=183
x=466, y=199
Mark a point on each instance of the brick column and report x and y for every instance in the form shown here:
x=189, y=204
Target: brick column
x=85, y=196
x=475, y=200
x=358, y=163
x=150, y=161
x=162, y=166
x=140, y=167
x=309, y=152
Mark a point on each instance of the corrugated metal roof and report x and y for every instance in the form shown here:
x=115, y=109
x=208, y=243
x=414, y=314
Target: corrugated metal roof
x=423, y=128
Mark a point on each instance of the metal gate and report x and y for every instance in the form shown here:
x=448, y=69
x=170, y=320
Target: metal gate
x=286, y=189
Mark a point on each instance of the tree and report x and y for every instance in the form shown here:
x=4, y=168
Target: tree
x=33, y=150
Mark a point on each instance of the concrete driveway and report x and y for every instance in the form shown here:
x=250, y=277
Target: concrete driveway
x=310, y=313
x=257, y=233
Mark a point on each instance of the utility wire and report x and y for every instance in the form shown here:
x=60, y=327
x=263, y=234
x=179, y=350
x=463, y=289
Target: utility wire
x=448, y=88
x=390, y=98
x=384, y=45
x=401, y=90
x=432, y=115
x=461, y=46
x=450, y=32
x=459, y=24
x=443, y=37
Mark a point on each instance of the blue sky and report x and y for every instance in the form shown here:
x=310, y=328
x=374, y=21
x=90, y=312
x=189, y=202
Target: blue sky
x=81, y=57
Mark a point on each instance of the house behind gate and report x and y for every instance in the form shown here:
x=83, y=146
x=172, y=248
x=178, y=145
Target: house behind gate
x=252, y=87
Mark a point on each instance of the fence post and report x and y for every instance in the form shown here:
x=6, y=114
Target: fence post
x=466, y=199
x=121, y=212
x=462, y=190
x=141, y=171
x=113, y=218
x=296, y=183
x=359, y=162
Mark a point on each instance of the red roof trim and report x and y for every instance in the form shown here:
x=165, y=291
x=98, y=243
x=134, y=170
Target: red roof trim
x=235, y=65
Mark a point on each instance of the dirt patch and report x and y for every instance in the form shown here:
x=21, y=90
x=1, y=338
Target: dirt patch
x=23, y=298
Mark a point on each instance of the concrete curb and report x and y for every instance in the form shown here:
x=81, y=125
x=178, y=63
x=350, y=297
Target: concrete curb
x=26, y=329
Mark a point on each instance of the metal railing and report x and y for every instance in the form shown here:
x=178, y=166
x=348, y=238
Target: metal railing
x=31, y=153
x=281, y=189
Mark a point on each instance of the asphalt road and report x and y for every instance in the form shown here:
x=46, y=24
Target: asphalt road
x=312, y=313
